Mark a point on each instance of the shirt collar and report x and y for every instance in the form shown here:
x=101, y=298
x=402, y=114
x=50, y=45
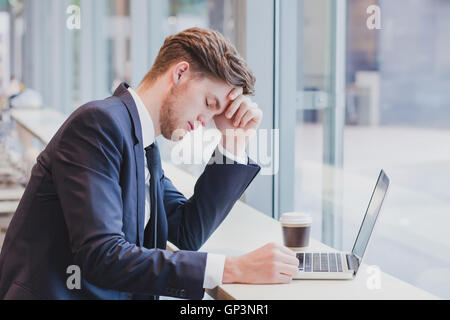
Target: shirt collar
x=148, y=130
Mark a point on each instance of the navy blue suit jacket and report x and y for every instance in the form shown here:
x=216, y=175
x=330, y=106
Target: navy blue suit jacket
x=84, y=206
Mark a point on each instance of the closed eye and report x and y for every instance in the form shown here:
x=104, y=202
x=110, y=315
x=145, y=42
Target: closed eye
x=215, y=105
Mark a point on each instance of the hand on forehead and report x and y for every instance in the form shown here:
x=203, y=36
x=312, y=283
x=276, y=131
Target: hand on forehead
x=236, y=92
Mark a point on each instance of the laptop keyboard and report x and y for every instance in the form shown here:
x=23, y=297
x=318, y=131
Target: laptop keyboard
x=319, y=262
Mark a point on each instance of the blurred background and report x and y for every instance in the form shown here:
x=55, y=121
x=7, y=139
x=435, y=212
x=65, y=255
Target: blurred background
x=347, y=100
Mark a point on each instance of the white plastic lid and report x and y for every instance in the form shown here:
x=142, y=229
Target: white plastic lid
x=296, y=218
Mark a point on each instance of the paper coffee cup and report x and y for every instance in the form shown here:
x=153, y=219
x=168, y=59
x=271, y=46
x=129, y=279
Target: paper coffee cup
x=296, y=227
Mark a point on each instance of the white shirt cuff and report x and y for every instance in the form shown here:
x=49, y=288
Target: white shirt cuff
x=215, y=263
x=241, y=159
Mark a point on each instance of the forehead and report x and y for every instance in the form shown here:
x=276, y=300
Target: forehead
x=216, y=88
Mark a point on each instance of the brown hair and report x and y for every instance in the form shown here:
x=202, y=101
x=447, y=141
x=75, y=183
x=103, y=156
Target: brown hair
x=208, y=53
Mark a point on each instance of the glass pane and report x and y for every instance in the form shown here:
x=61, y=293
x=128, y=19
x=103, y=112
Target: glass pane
x=119, y=31
x=397, y=118
x=314, y=87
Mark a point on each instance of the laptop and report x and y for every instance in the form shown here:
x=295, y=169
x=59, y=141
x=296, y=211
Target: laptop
x=343, y=265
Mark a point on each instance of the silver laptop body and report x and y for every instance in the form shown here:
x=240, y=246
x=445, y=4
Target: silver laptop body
x=344, y=265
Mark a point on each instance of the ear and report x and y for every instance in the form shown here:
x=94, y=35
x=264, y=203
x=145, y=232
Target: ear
x=180, y=70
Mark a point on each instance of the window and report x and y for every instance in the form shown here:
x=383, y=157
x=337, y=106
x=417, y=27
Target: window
x=397, y=118
x=369, y=100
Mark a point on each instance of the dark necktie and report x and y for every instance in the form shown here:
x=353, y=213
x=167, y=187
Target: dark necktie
x=153, y=164
x=151, y=229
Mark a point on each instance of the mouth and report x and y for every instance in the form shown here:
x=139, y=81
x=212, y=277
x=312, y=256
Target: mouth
x=190, y=126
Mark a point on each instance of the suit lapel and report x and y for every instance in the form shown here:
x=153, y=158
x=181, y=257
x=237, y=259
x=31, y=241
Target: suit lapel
x=123, y=94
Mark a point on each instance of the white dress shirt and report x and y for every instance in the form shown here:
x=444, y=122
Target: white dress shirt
x=214, y=262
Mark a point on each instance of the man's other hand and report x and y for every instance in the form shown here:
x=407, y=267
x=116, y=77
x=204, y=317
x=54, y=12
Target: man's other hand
x=270, y=264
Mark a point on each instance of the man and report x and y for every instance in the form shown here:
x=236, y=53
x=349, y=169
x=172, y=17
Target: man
x=99, y=200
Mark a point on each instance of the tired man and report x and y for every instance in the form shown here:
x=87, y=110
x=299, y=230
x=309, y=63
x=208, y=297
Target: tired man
x=98, y=199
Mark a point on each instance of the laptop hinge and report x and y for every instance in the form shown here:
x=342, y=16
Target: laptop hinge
x=352, y=262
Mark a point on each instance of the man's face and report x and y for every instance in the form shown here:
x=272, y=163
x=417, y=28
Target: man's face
x=192, y=103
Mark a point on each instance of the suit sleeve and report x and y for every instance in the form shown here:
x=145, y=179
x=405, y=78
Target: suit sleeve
x=192, y=221
x=86, y=170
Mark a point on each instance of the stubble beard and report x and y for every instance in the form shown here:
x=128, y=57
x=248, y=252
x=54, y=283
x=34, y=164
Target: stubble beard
x=169, y=117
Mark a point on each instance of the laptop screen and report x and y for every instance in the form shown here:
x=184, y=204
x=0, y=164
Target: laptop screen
x=371, y=215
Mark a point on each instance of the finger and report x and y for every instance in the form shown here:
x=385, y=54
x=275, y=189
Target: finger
x=234, y=107
x=288, y=251
x=283, y=278
x=252, y=114
x=241, y=112
x=288, y=269
x=290, y=260
x=236, y=92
